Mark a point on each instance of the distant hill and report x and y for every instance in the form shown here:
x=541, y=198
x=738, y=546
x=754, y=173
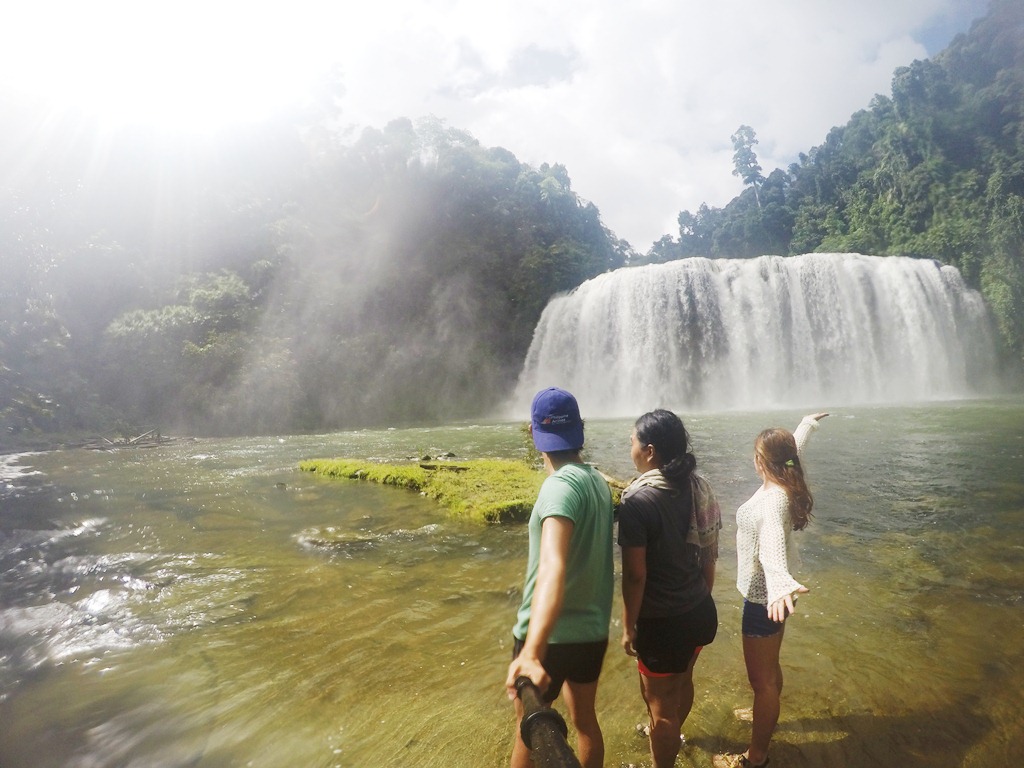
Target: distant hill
x=934, y=170
x=293, y=277
x=276, y=281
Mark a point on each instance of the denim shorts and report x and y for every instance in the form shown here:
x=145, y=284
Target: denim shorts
x=756, y=622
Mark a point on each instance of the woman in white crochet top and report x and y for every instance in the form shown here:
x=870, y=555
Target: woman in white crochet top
x=765, y=552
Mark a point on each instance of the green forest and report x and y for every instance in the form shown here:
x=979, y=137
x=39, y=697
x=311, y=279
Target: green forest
x=295, y=278
x=933, y=170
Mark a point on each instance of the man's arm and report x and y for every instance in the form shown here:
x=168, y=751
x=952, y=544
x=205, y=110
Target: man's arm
x=555, y=533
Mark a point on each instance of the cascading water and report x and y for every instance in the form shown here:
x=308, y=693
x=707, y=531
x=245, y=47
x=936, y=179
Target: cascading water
x=771, y=332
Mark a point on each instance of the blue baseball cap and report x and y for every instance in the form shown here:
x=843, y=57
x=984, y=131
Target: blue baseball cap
x=555, y=417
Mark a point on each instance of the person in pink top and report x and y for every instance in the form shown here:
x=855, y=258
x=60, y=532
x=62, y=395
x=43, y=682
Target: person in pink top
x=766, y=553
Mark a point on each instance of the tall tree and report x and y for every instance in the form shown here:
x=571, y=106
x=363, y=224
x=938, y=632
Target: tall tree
x=933, y=171
x=744, y=159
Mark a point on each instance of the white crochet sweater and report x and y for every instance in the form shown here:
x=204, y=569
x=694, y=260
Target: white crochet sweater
x=765, y=549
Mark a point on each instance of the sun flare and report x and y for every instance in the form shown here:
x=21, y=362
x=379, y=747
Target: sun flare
x=183, y=67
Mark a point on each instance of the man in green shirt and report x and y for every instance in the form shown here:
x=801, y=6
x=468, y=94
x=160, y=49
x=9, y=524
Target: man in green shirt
x=561, y=631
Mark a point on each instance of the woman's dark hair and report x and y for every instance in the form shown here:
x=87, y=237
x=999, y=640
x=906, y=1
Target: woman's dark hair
x=665, y=431
x=776, y=448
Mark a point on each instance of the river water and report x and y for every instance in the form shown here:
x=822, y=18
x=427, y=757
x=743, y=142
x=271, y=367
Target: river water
x=205, y=604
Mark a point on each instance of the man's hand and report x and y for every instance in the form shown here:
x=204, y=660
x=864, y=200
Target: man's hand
x=526, y=666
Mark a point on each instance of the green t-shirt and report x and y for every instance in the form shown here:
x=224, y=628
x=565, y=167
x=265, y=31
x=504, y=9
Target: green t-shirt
x=578, y=492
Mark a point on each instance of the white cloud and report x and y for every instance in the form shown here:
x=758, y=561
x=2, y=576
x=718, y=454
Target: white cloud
x=638, y=100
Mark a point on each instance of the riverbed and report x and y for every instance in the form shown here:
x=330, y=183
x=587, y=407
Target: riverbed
x=204, y=603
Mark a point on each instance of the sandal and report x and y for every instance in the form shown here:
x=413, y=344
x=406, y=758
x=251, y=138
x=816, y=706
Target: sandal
x=732, y=760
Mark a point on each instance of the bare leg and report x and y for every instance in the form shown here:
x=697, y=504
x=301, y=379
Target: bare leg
x=764, y=672
x=520, y=752
x=686, y=694
x=581, y=701
x=669, y=700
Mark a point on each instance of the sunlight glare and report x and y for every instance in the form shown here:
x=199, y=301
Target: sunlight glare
x=185, y=67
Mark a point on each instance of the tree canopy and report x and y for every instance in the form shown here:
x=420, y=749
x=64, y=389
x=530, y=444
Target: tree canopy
x=935, y=170
x=298, y=277
x=295, y=280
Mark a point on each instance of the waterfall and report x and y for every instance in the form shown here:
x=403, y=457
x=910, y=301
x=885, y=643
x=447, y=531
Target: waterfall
x=817, y=330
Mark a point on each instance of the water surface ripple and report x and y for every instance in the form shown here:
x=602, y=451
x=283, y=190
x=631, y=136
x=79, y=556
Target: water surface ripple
x=206, y=604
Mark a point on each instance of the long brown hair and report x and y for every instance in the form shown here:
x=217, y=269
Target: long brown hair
x=776, y=448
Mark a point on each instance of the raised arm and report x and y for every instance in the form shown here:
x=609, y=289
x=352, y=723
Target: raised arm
x=807, y=425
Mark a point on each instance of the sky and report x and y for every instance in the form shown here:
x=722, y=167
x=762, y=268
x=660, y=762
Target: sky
x=638, y=100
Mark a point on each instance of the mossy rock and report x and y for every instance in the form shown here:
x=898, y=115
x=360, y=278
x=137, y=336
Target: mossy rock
x=479, y=490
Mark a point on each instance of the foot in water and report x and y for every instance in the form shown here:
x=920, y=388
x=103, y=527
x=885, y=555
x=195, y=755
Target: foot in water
x=644, y=729
x=732, y=760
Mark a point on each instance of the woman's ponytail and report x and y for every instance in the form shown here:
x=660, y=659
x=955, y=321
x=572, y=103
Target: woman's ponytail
x=665, y=431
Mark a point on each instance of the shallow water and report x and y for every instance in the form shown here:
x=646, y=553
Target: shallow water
x=206, y=604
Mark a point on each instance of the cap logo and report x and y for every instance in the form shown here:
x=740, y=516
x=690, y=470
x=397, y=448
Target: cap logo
x=558, y=419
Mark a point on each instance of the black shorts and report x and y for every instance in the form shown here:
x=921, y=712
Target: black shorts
x=575, y=662
x=666, y=645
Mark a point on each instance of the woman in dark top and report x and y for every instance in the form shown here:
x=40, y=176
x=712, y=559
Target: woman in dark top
x=668, y=530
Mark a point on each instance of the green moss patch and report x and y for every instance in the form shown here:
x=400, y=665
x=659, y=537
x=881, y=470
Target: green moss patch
x=479, y=490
